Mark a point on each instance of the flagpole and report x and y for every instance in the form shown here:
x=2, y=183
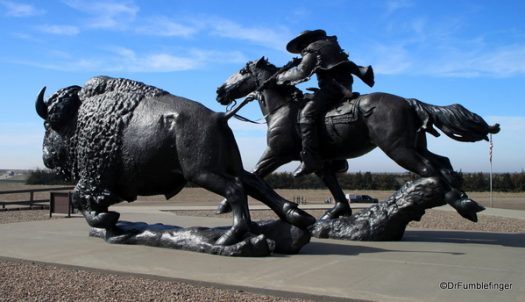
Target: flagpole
x=490, y=159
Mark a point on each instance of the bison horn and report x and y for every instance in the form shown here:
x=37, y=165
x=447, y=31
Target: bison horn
x=41, y=107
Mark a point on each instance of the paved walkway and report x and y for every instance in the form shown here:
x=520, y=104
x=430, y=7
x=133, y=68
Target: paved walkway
x=414, y=269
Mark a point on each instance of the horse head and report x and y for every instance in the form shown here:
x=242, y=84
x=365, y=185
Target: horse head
x=244, y=81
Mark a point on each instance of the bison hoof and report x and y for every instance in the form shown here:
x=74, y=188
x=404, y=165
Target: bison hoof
x=298, y=217
x=105, y=220
x=339, y=210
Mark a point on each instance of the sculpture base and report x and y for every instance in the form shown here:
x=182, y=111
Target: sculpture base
x=386, y=220
x=268, y=237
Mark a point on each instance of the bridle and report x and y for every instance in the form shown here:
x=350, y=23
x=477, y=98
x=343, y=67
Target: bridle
x=258, y=96
x=249, y=69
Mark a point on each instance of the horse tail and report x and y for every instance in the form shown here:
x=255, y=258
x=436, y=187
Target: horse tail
x=454, y=120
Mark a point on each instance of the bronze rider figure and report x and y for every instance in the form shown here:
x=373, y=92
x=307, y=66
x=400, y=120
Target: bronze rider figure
x=320, y=55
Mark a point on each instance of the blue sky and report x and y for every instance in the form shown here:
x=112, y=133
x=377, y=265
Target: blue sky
x=441, y=52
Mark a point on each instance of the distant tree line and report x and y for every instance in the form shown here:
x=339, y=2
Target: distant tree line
x=47, y=177
x=502, y=182
x=358, y=181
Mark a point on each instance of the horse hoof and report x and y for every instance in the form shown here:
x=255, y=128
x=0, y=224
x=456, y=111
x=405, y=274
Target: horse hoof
x=298, y=217
x=339, y=210
x=224, y=207
x=104, y=220
x=327, y=216
x=468, y=208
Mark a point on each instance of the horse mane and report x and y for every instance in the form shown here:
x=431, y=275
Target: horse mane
x=264, y=64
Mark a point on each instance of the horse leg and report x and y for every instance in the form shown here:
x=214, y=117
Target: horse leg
x=410, y=159
x=266, y=165
x=341, y=207
x=454, y=196
x=270, y=161
x=286, y=210
x=445, y=167
x=233, y=190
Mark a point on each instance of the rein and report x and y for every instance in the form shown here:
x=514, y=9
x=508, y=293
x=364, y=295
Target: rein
x=260, y=121
x=231, y=106
x=253, y=95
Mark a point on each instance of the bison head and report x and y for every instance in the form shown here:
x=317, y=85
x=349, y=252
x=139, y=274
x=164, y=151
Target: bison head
x=59, y=114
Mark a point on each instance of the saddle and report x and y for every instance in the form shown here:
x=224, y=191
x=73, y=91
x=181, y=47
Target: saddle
x=344, y=111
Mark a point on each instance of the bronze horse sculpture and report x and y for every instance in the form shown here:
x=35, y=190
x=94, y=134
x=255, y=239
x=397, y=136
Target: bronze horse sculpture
x=354, y=127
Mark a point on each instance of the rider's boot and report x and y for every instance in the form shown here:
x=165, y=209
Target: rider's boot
x=310, y=154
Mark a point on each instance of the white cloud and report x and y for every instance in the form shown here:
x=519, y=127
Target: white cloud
x=504, y=61
x=393, y=6
x=16, y=9
x=274, y=37
x=447, y=58
x=424, y=45
x=64, y=30
x=218, y=56
x=166, y=27
x=26, y=37
x=106, y=14
x=125, y=59
x=128, y=60
x=120, y=59
x=271, y=37
x=163, y=62
x=390, y=59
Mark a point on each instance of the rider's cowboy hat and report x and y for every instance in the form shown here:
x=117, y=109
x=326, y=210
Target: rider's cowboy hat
x=303, y=39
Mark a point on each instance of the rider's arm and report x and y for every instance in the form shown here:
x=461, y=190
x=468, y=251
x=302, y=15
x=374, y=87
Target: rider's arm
x=300, y=72
x=366, y=74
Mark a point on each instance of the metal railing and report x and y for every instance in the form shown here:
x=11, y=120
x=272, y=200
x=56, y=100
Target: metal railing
x=32, y=201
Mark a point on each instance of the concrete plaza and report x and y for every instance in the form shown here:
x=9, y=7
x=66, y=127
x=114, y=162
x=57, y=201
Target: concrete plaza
x=428, y=265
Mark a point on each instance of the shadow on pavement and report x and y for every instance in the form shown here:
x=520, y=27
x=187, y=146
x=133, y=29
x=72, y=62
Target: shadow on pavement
x=503, y=239
x=325, y=248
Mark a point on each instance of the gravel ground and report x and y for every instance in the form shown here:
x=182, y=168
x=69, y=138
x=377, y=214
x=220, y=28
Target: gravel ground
x=28, y=281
